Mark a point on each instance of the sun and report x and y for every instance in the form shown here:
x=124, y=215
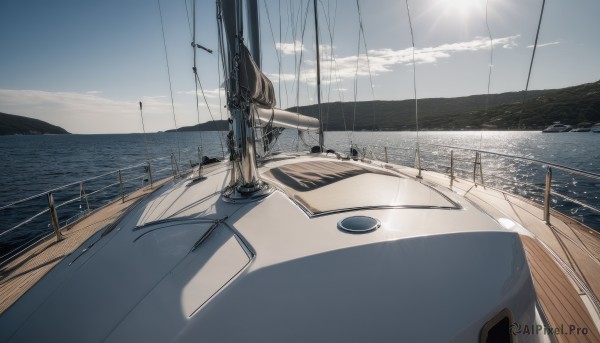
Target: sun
x=462, y=7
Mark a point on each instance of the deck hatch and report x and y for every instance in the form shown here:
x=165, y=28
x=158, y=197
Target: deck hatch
x=309, y=176
x=324, y=187
x=358, y=224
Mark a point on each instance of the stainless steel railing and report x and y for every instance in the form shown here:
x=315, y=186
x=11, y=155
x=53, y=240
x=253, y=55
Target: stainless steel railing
x=112, y=186
x=547, y=183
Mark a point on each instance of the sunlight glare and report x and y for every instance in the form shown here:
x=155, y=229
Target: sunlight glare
x=463, y=7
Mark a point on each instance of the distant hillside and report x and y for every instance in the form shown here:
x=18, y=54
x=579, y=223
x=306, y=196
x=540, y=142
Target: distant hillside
x=217, y=125
x=11, y=124
x=506, y=111
x=571, y=105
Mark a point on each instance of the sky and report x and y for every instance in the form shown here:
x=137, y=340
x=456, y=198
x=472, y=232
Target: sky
x=84, y=65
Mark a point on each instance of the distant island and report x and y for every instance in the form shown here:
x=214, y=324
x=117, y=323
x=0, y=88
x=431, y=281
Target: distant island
x=11, y=124
x=506, y=111
x=217, y=125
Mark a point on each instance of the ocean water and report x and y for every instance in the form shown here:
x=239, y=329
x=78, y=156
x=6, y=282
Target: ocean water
x=33, y=165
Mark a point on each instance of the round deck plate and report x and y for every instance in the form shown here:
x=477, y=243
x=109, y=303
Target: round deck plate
x=358, y=224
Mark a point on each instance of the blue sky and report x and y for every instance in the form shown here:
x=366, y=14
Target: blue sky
x=84, y=65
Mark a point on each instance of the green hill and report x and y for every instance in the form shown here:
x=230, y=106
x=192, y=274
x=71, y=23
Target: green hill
x=572, y=105
x=506, y=111
x=11, y=124
x=217, y=125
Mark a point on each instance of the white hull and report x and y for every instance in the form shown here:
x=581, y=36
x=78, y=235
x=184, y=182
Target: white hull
x=185, y=264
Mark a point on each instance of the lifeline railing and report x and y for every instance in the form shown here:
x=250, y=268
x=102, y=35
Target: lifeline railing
x=553, y=180
x=557, y=179
x=29, y=231
x=544, y=192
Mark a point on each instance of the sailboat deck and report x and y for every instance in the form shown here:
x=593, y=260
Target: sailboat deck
x=564, y=259
x=564, y=251
x=18, y=276
x=552, y=284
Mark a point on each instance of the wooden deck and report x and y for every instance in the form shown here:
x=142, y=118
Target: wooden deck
x=562, y=304
x=22, y=273
x=560, y=253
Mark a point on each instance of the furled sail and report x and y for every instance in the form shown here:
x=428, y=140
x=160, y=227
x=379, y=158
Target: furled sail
x=260, y=90
x=285, y=119
x=250, y=82
x=258, y=86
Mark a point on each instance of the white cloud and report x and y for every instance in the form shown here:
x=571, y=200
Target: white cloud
x=86, y=113
x=382, y=60
x=543, y=45
x=209, y=93
x=90, y=112
x=287, y=77
x=290, y=48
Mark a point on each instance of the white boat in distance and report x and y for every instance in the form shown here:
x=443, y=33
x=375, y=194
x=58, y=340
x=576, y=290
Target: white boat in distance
x=302, y=247
x=596, y=128
x=558, y=127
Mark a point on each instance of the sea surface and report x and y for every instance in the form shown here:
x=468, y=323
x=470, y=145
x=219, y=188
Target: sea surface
x=33, y=165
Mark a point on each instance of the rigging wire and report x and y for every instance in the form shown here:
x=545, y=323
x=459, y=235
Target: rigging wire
x=300, y=64
x=223, y=60
x=298, y=59
x=196, y=78
x=362, y=31
x=293, y=23
x=187, y=14
x=197, y=83
x=327, y=16
x=537, y=34
x=144, y=130
x=219, y=83
x=335, y=68
x=355, y=87
x=281, y=39
x=487, y=98
x=222, y=47
x=412, y=38
x=361, y=34
x=278, y=54
x=275, y=45
x=318, y=60
x=162, y=27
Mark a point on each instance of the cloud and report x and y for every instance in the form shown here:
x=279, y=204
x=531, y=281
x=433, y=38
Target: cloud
x=382, y=60
x=216, y=99
x=93, y=92
x=209, y=93
x=543, y=45
x=86, y=113
x=274, y=77
x=290, y=48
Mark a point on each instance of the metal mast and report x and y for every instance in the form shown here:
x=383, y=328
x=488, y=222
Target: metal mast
x=247, y=185
x=321, y=138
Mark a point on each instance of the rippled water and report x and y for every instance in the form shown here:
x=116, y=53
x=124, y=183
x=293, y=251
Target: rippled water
x=35, y=164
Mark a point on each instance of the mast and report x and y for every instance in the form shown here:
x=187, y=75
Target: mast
x=247, y=183
x=321, y=138
x=253, y=31
x=196, y=80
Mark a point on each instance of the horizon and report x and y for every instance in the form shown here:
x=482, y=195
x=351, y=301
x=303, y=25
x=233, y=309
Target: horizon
x=85, y=66
x=376, y=100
